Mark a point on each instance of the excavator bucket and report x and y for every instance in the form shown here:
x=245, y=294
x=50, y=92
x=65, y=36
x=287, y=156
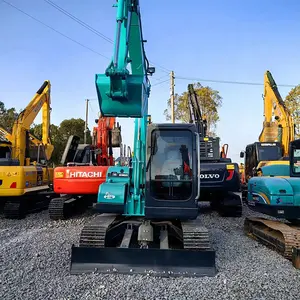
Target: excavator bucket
x=156, y=262
x=121, y=97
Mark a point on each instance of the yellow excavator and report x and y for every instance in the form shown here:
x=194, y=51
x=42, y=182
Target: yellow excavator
x=25, y=177
x=277, y=133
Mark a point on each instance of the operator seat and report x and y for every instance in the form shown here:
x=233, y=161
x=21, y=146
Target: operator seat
x=172, y=162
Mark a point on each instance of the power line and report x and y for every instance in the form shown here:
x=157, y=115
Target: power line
x=158, y=79
x=53, y=29
x=95, y=31
x=159, y=82
x=82, y=23
x=230, y=82
x=166, y=70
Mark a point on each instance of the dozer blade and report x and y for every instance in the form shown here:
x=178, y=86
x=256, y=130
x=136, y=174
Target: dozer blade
x=156, y=262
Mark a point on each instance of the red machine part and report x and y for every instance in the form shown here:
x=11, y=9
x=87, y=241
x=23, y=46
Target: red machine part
x=83, y=180
x=224, y=151
x=79, y=180
x=102, y=137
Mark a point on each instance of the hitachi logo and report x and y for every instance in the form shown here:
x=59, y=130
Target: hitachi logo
x=76, y=174
x=209, y=176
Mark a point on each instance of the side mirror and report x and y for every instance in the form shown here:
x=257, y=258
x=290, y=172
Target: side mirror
x=242, y=154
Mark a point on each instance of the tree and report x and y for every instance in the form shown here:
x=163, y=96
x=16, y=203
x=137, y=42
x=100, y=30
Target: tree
x=55, y=137
x=74, y=127
x=7, y=117
x=59, y=135
x=209, y=102
x=292, y=102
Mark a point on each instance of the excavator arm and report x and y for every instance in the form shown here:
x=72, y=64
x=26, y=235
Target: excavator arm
x=20, y=134
x=195, y=111
x=282, y=129
x=106, y=136
x=122, y=93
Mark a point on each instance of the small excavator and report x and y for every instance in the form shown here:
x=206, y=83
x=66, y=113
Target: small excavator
x=220, y=180
x=84, y=169
x=277, y=196
x=278, y=131
x=148, y=212
x=26, y=178
x=273, y=187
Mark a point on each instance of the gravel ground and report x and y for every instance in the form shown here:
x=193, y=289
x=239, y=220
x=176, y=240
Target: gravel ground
x=34, y=264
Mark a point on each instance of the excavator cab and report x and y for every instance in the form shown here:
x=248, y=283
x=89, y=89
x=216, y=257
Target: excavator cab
x=171, y=180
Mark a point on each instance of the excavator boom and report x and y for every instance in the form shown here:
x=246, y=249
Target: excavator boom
x=282, y=129
x=41, y=100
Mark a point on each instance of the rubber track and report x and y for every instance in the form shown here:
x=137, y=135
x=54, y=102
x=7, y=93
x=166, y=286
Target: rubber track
x=14, y=209
x=195, y=236
x=65, y=207
x=93, y=234
x=266, y=231
x=56, y=209
x=19, y=208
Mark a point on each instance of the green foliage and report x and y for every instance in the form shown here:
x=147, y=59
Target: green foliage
x=292, y=102
x=59, y=135
x=73, y=127
x=7, y=117
x=209, y=102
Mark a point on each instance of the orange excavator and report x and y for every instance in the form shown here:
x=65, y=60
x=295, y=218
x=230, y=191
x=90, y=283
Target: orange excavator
x=84, y=169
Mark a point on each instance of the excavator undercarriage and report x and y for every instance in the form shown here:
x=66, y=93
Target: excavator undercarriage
x=279, y=236
x=166, y=248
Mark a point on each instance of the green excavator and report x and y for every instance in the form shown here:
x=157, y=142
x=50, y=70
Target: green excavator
x=148, y=213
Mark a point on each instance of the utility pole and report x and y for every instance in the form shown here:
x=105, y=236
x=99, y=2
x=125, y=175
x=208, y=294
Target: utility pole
x=172, y=84
x=86, y=119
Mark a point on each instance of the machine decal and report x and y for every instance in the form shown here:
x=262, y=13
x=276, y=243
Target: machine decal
x=80, y=174
x=260, y=196
x=209, y=176
x=121, y=174
x=39, y=174
x=109, y=196
x=59, y=174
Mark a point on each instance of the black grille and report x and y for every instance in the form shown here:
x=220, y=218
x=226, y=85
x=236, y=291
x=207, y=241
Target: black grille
x=209, y=149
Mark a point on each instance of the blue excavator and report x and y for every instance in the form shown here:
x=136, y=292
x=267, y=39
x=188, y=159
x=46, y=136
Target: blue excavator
x=148, y=213
x=277, y=194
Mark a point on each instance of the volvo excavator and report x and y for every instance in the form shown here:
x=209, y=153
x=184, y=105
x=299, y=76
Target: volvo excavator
x=147, y=221
x=278, y=131
x=84, y=169
x=26, y=179
x=220, y=180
